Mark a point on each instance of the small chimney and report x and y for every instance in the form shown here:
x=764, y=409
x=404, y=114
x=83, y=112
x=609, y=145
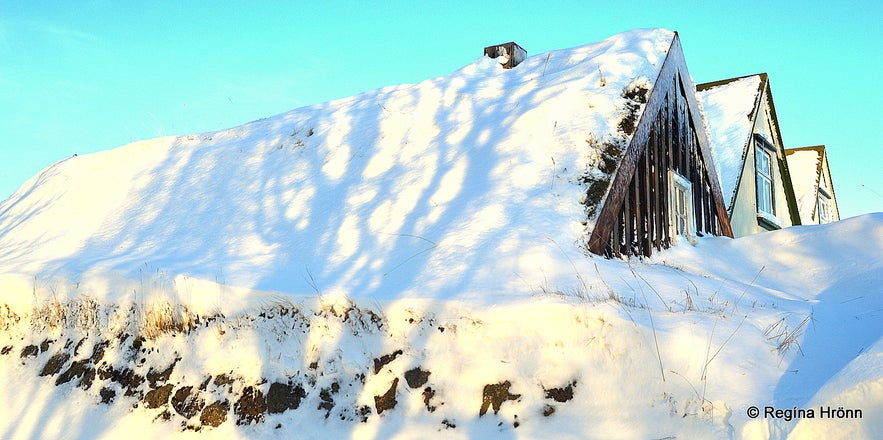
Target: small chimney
x=510, y=54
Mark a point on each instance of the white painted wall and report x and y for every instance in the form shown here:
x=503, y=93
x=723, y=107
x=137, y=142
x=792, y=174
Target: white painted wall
x=744, y=215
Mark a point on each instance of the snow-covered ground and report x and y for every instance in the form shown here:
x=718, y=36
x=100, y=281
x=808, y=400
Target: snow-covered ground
x=677, y=347
x=410, y=263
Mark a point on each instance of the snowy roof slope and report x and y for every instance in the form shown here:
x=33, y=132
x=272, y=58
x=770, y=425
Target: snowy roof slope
x=729, y=110
x=805, y=165
x=467, y=184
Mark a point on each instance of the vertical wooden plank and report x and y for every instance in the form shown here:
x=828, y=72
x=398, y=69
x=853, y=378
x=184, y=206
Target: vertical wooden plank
x=710, y=214
x=709, y=210
x=715, y=221
x=639, y=213
x=640, y=209
x=673, y=122
x=636, y=214
x=617, y=232
x=669, y=165
x=652, y=197
x=629, y=224
x=702, y=222
x=663, y=188
x=661, y=191
x=684, y=138
x=677, y=161
x=686, y=134
x=696, y=179
x=648, y=208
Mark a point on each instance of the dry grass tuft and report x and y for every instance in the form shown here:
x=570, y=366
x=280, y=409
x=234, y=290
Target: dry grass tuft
x=8, y=318
x=51, y=314
x=162, y=317
x=784, y=338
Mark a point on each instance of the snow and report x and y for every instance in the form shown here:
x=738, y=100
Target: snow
x=714, y=319
x=728, y=110
x=399, y=192
x=769, y=218
x=804, y=166
x=438, y=226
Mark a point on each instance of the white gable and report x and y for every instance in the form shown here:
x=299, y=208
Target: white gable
x=728, y=110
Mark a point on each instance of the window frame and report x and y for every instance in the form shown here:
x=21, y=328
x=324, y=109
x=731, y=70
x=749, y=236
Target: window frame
x=763, y=150
x=823, y=207
x=680, y=183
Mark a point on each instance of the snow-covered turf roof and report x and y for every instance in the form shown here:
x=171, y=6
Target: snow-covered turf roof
x=462, y=185
x=729, y=107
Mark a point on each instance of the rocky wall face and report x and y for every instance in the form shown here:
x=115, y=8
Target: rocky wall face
x=156, y=375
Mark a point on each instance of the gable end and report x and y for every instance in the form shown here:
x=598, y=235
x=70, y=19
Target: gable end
x=635, y=217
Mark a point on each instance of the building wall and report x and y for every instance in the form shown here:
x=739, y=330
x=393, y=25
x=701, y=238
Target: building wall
x=781, y=209
x=744, y=217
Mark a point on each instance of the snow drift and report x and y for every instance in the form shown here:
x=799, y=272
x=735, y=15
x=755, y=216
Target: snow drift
x=680, y=346
x=409, y=263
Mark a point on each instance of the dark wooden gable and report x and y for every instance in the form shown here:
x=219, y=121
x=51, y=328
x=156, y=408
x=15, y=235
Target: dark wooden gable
x=635, y=217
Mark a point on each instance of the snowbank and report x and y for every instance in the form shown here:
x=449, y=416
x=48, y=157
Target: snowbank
x=409, y=263
x=680, y=346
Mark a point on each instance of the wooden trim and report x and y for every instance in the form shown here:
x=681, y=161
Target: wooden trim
x=654, y=239
x=647, y=219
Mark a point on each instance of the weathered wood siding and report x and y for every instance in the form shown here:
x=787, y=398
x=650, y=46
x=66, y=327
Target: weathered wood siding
x=635, y=218
x=643, y=220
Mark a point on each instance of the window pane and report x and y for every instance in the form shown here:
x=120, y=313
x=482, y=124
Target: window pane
x=823, y=210
x=764, y=196
x=681, y=205
x=762, y=160
x=764, y=179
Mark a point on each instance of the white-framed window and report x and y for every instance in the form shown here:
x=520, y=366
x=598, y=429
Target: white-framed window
x=823, y=208
x=764, y=170
x=681, y=207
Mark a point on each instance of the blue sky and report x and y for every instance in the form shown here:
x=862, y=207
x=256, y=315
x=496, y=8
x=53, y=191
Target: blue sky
x=79, y=77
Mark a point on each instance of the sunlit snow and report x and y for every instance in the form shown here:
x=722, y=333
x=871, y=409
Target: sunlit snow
x=438, y=225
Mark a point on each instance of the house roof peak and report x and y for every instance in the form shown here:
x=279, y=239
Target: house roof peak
x=705, y=86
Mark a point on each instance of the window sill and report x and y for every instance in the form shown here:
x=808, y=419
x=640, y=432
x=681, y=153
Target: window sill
x=768, y=221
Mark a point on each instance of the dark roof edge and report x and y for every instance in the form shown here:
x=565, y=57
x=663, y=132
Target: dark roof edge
x=817, y=148
x=708, y=85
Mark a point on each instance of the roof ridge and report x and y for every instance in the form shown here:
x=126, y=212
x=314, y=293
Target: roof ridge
x=708, y=85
